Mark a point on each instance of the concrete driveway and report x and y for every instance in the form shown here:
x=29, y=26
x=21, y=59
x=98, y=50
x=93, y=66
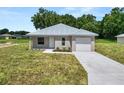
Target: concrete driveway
x=101, y=70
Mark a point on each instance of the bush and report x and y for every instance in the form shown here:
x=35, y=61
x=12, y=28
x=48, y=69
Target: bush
x=69, y=48
x=57, y=48
x=64, y=49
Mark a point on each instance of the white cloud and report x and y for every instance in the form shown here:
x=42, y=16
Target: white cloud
x=77, y=11
x=87, y=10
x=80, y=9
x=70, y=8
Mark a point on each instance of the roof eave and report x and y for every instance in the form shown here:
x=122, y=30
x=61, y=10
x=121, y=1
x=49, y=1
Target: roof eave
x=119, y=36
x=63, y=35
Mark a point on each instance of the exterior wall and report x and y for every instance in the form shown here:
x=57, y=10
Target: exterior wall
x=51, y=42
x=70, y=41
x=58, y=41
x=92, y=43
x=73, y=43
x=120, y=40
x=36, y=45
x=7, y=37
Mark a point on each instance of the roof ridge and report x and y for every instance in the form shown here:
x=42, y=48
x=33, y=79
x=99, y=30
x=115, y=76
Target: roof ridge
x=62, y=29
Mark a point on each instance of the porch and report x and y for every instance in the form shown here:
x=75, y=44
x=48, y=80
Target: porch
x=50, y=42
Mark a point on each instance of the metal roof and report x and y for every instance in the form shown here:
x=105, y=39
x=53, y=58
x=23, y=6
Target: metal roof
x=62, y=29
x=121, y=35
x=4, y=35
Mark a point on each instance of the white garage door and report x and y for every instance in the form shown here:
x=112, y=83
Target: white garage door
x=83, y=44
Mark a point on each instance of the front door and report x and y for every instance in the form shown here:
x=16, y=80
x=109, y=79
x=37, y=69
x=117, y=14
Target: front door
x=51, y=42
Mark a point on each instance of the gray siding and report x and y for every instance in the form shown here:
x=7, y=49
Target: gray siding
x=120, y=40
x=51, y=42
x=58, y=41
x=73, y=43
x=36, y=45
x=70, y=41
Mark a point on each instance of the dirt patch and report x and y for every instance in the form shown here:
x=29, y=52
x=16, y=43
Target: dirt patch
x=6, y=45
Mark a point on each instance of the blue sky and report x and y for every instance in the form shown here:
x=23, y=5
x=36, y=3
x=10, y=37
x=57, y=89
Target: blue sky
x=19, y=18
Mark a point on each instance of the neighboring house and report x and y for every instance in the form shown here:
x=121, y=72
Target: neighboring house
x=17, y=36
x=61, y=35
x=6, y=36
x=120, y=38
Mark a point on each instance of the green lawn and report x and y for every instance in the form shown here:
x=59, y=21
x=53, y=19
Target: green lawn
x=111, y=49
x=18, y=65
x=14, y=40
x=105, y=41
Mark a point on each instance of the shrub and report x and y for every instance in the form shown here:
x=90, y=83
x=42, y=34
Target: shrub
x=57, y=48
x=69, y=48
x=64, y=49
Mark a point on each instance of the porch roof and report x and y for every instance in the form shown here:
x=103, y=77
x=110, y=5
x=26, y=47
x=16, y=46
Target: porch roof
x=61, y=30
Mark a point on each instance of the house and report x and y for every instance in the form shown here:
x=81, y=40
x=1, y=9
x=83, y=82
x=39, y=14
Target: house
x=6, y=36
x=17, y=36
x=60, y=36
x=120, y=38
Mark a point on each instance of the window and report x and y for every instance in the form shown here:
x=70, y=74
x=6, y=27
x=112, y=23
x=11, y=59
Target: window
x=63, y=41
x=41, y=40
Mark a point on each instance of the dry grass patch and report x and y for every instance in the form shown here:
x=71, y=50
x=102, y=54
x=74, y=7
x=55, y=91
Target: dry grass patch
x=18, y=65
x=111, y=49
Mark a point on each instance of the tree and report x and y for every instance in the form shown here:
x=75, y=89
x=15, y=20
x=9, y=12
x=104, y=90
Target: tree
x=12, y=32
x=44, y=18
x=68, y=19
x=113, y=23
x=21, y=32
x=4, y=31
x=88, y=22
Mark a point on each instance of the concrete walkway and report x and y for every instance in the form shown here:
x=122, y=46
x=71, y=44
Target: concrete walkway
x=101, y=70
x=7, y=45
